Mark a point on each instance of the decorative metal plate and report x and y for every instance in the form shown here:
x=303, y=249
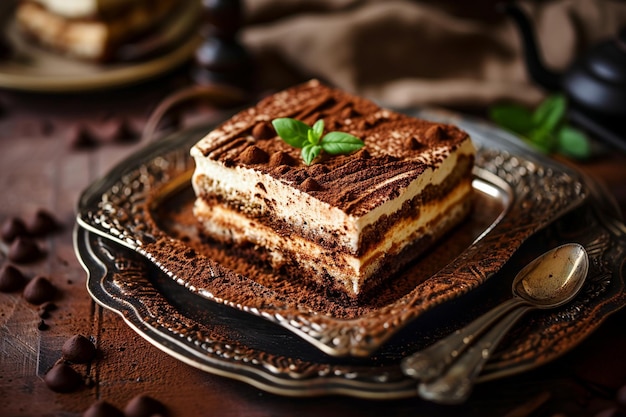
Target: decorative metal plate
x=228, y=342
x=132, y=207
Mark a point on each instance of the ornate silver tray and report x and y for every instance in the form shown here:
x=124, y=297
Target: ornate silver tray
x=137, y=205
x=227, y=342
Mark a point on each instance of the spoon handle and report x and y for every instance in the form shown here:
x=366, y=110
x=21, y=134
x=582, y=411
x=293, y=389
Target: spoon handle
x=431, y=362
x=455, y=385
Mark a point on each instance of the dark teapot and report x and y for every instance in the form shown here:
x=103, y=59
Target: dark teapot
x=595, y=83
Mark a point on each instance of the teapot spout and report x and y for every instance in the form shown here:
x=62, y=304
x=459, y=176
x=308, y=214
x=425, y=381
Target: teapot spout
x=535, y=66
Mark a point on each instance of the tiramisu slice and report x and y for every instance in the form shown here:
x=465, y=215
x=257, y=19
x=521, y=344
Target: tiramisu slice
x=346, y=222
x=89, y=30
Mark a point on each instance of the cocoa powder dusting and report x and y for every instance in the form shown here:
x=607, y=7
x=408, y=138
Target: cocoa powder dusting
x=389, y=138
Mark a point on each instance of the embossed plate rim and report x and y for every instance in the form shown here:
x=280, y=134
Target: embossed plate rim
x=542, y=191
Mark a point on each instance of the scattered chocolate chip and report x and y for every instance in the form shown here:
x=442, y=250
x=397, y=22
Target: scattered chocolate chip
x=79, y=137
x=263, y=130
x=43, y=223
x=11, y=279
x=12, y=228
x=63, y=378
x=42, y=325
x=282, y=158
x=39, y=290
x=254, y=155
x=24, y=249
x=144, y=406
x=47, y=307
x=78, y=349
x=102, y=409
x=311, y=185
x=126, y=133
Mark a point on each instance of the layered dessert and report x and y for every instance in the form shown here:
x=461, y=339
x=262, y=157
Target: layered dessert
x=89, y=29
x=346, y=222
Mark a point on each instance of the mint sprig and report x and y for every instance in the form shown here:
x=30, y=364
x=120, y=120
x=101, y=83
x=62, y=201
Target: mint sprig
x=312, y=140
x=545, y=128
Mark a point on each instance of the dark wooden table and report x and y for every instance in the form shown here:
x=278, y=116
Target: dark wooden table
x=40, y=167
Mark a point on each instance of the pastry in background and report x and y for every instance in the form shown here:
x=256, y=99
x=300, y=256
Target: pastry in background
x=91, y=30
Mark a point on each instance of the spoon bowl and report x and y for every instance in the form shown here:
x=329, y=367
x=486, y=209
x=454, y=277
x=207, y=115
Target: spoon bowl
x=554, y=278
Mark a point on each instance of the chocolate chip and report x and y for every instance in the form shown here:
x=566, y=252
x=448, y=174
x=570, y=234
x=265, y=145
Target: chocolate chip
x=363, y=154
x=435, y=133
x=346, y=113
x=126, y=133
x=282, y=158
x=12, y=228
x=11, y=279
x=45, y=309
x=317, y=170
x=79, y=137
x=412, y=143
x=39, y=290
x=78, y=349
x=42, y=325
x=43, y=223
x=144, y=406
x=102, y=409
x=63, y=378
x=262, y=131
x=254, y=155
x=311, y=185
x=24, y=249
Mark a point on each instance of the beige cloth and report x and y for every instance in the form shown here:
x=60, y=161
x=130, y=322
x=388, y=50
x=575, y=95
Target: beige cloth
x=405, y=53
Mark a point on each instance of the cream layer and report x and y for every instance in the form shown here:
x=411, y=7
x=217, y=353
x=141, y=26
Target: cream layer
x=352, y=272
x=259, y=194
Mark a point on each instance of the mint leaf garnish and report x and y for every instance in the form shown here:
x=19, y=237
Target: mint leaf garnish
x=337, y=143
x=318, y=130
x=310, y=139
x=310, y=152
x=292, y=131
x=545, y=128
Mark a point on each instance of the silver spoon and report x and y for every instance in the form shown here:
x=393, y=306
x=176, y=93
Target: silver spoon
x=551, y=280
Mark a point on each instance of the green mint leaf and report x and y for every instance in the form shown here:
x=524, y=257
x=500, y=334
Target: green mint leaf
x=310, y=152
x=336, y=143
x=513, y=117
x=573, y=142
x=292, y=131
x=542, y=139
x=550, y=113
x=318, y=130
x=312, y=138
